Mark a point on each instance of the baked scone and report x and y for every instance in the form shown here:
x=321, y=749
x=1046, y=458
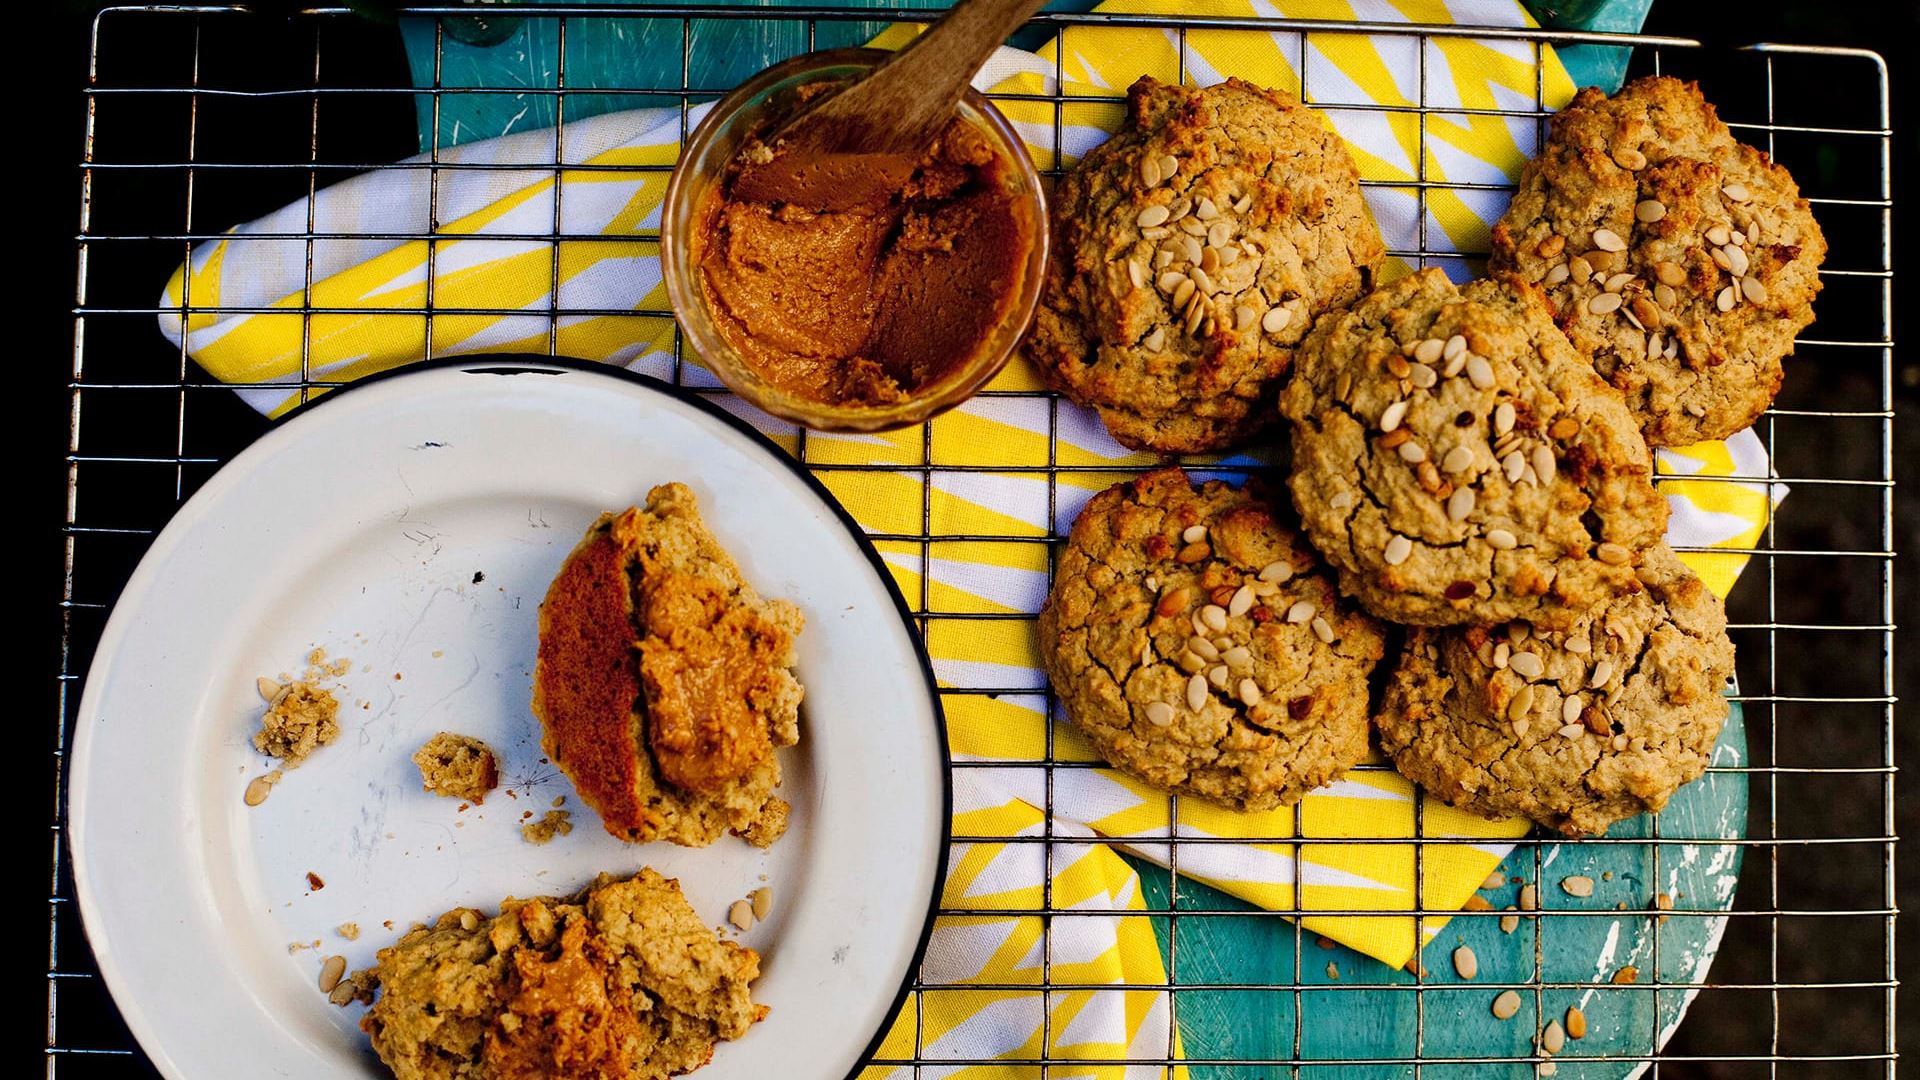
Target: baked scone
x=1575, y=729
x=1708, y=247
x=622, y=982
x=664, y=681
x=1201, y=647
x=1461, y=463
x=1191, y=253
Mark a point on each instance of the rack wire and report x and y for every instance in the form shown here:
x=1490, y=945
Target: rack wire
x=148, y=427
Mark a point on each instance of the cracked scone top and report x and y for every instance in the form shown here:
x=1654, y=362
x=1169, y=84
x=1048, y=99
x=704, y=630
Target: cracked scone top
x=1461, y=463
x=1576, y=729
x=1682, y=261
x=1191, y=253
x=664, y=681
x=622, y=982
x=1198, y=644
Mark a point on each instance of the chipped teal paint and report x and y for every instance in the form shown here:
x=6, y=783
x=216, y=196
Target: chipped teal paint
x=1370, y=1010
x=1339, y=1023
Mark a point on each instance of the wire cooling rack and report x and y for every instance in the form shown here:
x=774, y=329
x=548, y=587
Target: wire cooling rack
x=148, y=428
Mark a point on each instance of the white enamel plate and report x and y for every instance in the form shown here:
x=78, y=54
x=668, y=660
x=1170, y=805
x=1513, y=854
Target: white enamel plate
x=410, y=525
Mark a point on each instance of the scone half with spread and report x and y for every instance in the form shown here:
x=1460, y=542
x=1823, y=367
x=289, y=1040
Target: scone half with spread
x=1191, y=253
x=1199, y=644
x=1575, y=728
x=664, y=682
x=623, y=980
x=1682, y=261
x=1460, y=463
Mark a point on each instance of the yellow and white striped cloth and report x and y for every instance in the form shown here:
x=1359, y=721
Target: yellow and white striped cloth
x=1367, y=86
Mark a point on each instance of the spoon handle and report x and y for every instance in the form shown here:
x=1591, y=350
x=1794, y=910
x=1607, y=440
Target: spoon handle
x=905, y=101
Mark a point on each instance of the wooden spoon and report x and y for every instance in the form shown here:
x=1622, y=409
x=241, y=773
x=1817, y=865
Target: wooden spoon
x=860, y=145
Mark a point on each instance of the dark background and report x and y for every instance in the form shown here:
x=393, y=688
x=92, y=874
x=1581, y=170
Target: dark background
x=45, y=157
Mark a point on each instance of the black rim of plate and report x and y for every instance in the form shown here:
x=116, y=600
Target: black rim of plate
x=514, y=364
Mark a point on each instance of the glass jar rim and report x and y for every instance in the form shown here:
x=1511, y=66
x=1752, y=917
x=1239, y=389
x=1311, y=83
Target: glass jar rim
x=680, y=208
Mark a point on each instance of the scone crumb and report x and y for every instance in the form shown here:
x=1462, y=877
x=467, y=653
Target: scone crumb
x=458, y=767
x=555, y=823
x=348, y=930
x=299, y=720
x=559, y=800
x=358, y=986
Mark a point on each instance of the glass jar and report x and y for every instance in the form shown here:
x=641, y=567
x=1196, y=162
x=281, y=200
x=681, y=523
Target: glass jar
x=749, y=110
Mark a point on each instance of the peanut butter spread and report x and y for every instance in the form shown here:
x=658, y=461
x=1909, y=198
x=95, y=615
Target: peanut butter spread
x=622, y=982
x=664, y=682
x=865, y=304
x=712, y=671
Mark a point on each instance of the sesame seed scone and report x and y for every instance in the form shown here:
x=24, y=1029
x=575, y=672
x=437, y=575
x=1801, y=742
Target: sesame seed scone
x=1191, y=253
x=622, y=981
x=1200, y=646
x=1682, y=261
x=1460, y=463
x=664, y=682
x=1575, y=729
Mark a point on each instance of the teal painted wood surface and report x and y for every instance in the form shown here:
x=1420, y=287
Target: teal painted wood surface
x=1360, y=1008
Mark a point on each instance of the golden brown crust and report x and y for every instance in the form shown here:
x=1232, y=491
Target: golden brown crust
x=1717, y=256
x=1574, y=729
x=1277, y=678
x=1162, y=322
x=1461, y=463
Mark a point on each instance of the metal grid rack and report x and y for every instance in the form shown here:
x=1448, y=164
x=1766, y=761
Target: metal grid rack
x=147, y=429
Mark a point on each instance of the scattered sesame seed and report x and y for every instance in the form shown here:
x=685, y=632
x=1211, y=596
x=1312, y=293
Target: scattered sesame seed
x=1464, y=962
